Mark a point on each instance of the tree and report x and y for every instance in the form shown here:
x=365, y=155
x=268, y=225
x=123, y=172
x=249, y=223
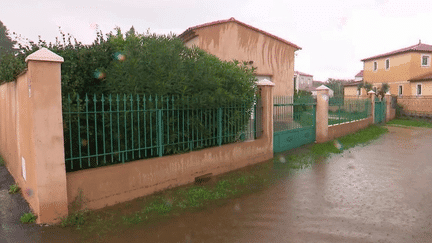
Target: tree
x=337, y=85
x=368, y=87
x=6, y=43
x=383, y=90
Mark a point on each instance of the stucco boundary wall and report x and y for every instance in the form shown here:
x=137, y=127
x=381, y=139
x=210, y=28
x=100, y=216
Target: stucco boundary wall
x=105, y=186
x=325, y=133
x=31, y=135
x=416, y=105
x=340, y=130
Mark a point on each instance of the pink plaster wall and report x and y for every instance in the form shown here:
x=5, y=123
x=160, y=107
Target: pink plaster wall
x=105, y=186
x=271, y=57
x=16, y=136
x=340, y=130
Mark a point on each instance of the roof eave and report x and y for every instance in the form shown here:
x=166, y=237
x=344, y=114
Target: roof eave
x=192, y=29
x=393, y=54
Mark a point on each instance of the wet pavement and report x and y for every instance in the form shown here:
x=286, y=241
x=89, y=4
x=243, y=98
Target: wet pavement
x=12, y=207
x=381, y=192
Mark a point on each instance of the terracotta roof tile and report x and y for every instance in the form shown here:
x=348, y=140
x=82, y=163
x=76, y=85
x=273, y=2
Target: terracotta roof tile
x=415, y=48
x=360, y=74
x=191, y=29
x=354, y=83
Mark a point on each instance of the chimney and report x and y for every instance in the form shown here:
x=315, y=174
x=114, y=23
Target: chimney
x=419, y=41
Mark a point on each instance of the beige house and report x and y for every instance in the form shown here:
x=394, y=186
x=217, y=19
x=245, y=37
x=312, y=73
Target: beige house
x=230, y=39
x=408, y=71
x=351, y=89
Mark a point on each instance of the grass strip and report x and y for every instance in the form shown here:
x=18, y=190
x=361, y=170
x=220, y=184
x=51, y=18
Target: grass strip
x=320, y=151
x=411, y=122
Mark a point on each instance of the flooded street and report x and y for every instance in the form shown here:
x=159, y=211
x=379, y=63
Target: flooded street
x=381, y=192
x=378, y=193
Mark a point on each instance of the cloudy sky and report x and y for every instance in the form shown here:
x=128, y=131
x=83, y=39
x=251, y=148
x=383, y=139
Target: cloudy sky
x=334, y=34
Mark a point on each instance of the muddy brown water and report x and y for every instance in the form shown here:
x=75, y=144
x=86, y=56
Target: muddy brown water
x=381, y=192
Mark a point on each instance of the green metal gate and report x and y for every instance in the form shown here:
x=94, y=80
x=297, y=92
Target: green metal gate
x=293, y=122
x=380, y=110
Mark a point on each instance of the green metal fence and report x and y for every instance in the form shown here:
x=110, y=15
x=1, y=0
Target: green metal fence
x=345, y=109
x=104, y=130
x=380, y=110
x=291, y=112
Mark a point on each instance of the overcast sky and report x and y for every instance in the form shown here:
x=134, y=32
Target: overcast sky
x=334, y=34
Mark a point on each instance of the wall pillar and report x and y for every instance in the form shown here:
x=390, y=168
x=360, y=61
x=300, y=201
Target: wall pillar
x=388, y=106
x=322, y=114
x=44, y=86
x=372, y=97
x=266, y=87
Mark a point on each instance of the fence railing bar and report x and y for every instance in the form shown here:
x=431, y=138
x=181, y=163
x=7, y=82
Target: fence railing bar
x=95, y=125
x=111, y=129
x=118, y=128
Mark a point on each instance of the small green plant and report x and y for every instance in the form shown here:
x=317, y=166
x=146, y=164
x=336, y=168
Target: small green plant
x=75, y=219
x=78, y=215
x=399, y=110
x=135, y=219
x=1, y=161
x=28, y=218
x=14, y=189
x=162, y=207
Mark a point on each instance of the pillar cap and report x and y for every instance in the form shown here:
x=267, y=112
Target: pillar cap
x=371, y=92
x=265, y=82
x=44, y=55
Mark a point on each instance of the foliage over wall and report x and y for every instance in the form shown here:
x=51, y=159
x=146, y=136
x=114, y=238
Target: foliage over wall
x=135, y=63
x=6, y=43
x=141, y=64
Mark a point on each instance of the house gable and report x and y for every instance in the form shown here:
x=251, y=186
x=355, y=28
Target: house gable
x=233, y=40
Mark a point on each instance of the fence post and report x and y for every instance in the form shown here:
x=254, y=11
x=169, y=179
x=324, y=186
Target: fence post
x=44, y=85
x=322, y=114
x=372, y=96
x=388, y=106
x=266, y=87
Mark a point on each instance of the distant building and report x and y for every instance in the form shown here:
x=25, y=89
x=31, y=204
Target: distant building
x=351, y=89
x=303, y=81
x=359, y=76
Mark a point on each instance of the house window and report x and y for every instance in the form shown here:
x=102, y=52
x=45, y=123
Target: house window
x=387, y=64
x=375, y=66
x=358, y=91
x=400, y=90
x=419, y=89
x=425, y=60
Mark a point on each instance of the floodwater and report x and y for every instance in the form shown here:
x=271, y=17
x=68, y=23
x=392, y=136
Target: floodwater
x=381, y=192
